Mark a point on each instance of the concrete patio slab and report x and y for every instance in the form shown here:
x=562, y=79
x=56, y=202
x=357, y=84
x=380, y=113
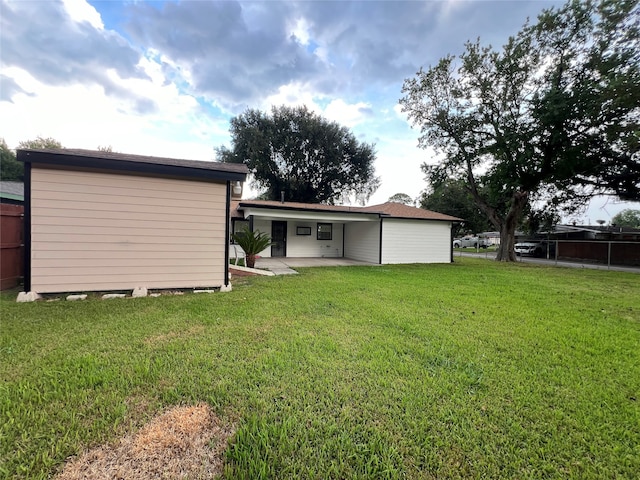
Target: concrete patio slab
x=286, y=265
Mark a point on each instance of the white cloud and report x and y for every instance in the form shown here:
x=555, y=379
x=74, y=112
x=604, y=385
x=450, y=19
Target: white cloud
x=398, y=166
x=293, y=94
x=84, y=116
x=80, y=11
x=347, y=114
x=300, y=30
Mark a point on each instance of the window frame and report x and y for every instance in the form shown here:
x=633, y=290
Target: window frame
x=321, y=235
x=234, y=222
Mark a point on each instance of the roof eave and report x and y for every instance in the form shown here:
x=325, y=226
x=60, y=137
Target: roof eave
x=101, y=163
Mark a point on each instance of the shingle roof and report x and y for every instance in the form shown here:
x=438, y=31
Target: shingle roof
x=389, y=209
x=12, y=188
x=400, y=210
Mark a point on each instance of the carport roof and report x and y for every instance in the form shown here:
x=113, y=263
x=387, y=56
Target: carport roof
x=389, y=209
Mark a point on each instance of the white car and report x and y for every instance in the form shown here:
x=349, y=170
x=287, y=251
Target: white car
x=470, y=241
x=527, y=248
x=535, y=249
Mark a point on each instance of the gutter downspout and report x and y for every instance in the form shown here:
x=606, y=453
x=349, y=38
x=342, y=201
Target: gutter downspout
x=227, y=235
x=27, y=226
x=380, y=250
x=451, y=240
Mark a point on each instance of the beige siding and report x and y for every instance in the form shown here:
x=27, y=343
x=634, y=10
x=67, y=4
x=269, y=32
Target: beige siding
x=415, y=241
x=100, y=231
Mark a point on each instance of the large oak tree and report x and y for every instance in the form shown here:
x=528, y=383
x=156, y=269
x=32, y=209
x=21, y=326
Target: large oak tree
x=298, y=152
x=547, y=122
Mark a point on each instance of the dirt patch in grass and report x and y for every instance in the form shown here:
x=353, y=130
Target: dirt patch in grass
x=184, y=442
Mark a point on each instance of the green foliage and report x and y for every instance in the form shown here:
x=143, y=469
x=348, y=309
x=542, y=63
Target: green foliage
x=252, y=242
x=627, y=218
x=402, y=198
x=452, y=198
x=551, y=119
x=41, y=142
x=10, y=168
x=471, y=370
x=296, y=151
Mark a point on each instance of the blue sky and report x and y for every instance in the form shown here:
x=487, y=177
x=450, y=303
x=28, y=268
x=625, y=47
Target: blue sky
x=164, y=78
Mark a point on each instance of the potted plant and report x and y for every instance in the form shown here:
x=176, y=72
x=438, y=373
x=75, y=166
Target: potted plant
x=252, y=243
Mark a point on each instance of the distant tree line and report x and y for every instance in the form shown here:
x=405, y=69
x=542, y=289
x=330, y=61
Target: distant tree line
x=13, y=170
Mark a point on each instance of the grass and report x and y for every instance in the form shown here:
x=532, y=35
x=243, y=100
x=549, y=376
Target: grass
x=471, y=370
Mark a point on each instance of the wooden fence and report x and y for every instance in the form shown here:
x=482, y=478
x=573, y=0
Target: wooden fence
x=605, y=252
x=11, y=245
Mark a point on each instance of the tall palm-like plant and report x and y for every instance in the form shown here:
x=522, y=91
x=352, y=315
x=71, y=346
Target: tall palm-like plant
x=252, y=243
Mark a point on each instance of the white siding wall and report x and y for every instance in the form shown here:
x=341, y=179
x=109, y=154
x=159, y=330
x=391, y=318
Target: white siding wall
x=309, y=245
x=101, y=231
x=265, y=227
x=415, y=241
x=362, y=241
x=303, y=245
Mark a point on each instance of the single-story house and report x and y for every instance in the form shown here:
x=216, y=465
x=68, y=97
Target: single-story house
x=380, y=234
x=104, y=221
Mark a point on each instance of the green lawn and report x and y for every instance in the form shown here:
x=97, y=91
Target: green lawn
x=471, y=370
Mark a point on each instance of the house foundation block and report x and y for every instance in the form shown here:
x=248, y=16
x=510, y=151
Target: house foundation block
x=27, y=297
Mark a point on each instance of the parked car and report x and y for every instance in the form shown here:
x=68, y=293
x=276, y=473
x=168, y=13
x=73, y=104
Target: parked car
x=470, y=241
x=535, y=249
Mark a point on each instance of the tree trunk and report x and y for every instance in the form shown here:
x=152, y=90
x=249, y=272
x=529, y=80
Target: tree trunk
x=251, y=260
x=506, y=253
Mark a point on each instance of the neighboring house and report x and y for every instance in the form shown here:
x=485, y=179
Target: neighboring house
x=594, y=232
x=103, y=221
x=381, y=234
x=491, y=238
x=11, y=192
x=11, y=227
x=605, y=244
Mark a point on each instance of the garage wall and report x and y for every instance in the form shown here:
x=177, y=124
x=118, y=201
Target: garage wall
x=415, y=241
x=362, y=241
x=101, y=231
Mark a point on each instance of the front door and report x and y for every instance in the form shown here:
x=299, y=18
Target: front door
x=278, y=239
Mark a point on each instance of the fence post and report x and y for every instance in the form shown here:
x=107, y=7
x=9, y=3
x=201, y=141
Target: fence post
x=609, y=255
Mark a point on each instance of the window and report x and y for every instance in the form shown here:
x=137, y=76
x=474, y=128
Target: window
x=324, y=231
x=303, y=230
x=237, y=225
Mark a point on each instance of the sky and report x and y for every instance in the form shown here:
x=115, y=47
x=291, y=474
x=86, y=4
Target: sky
x=164, y=78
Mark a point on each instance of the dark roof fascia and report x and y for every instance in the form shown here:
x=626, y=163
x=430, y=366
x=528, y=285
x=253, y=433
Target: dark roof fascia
x=242, y=205
x=90, y=162
x=424, y=219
